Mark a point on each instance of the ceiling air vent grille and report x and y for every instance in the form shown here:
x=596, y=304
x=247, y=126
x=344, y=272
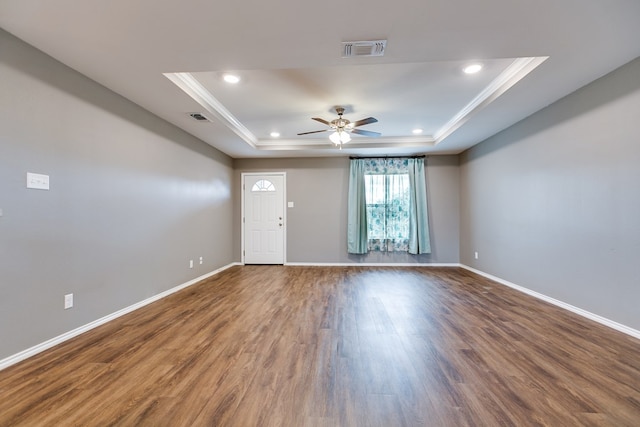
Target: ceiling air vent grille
x=199, y=117
x=364, y=48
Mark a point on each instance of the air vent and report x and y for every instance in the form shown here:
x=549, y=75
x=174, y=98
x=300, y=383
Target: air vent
x=199, y=117
x=364, y=48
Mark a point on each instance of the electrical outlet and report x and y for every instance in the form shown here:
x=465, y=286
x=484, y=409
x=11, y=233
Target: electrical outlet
x=68, y=301
x=475, y=254
x=200, y=260
x=190, y=263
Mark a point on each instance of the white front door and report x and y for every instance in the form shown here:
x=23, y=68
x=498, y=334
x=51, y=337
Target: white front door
x=263, y=221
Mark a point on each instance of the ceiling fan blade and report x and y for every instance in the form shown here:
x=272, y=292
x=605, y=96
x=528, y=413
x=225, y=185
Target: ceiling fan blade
x=366, y=132
x=313, y=131
x=366, y=121
x=323, y=121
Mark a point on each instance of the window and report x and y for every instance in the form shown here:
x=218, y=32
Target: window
x=387, y=206
x=263, y=185
x=387, y=197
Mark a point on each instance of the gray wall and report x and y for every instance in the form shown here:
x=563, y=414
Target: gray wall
x=553, y=203
x=317, y=227
x=132, y=199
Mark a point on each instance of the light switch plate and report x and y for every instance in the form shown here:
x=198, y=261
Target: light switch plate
x=37, y=181
x=68, y=301
x=289, y=204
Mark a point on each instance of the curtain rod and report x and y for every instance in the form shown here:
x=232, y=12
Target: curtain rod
x=388, y=157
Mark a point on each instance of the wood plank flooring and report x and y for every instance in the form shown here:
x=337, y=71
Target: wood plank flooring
x=334, y=346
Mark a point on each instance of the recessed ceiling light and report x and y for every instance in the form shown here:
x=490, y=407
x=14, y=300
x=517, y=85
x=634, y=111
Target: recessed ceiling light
x=417, y=131
x=472, y=68
x=231, y=78
x=274, y=134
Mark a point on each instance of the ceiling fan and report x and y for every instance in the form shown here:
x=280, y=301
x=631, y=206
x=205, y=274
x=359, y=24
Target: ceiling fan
x=343, y=127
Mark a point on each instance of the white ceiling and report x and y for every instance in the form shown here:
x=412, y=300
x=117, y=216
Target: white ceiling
x=169, y=56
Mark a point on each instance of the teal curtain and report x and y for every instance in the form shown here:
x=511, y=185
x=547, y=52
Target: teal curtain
x=419, y=242
x=381, y=206
x=357, y=238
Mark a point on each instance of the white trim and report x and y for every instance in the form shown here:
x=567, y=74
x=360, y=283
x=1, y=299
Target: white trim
x=371, y=264
x=579, y=311
x=515, y=72
x=584, y=313
x=32, y=351
x=192, y=87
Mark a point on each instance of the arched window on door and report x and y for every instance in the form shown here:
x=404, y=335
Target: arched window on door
x=263, y=185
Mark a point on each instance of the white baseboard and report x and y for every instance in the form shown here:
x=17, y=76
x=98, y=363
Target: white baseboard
x=371, y=264
x=584, y=313
x=12, y=360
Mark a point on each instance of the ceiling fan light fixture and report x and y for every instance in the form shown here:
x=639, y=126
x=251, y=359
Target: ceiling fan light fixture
x=342, y=128
x=340, y=137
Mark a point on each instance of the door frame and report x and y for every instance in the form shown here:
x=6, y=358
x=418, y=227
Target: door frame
x=284, y=211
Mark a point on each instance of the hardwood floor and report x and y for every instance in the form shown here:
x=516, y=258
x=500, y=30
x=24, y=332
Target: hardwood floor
x=334, y=346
